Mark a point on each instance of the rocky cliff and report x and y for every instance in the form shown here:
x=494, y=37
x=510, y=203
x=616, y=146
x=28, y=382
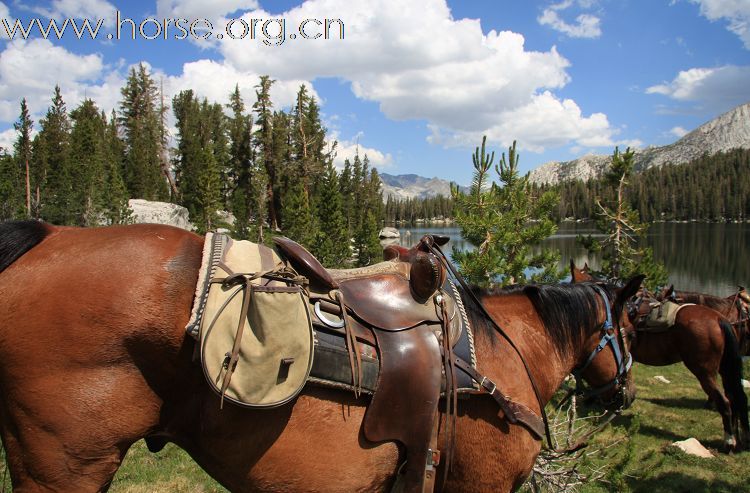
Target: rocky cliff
x=728, y=131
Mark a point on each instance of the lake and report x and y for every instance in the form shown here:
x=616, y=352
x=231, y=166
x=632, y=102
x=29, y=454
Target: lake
x=710, y=258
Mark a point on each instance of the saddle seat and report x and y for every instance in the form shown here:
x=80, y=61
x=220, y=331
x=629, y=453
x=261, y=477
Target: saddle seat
x=392, y=295
x=421, y=268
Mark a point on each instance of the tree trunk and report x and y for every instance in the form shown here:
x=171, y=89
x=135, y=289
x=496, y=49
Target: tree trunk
x=28, y=190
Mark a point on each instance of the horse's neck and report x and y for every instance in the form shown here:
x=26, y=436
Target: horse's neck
x=547, y=364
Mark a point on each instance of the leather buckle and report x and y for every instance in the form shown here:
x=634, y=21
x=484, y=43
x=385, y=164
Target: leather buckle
x=482, y=384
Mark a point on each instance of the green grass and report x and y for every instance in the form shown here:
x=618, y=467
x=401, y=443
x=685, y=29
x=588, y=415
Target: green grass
x=644, y=461
x=170, y=471
x=638, y=454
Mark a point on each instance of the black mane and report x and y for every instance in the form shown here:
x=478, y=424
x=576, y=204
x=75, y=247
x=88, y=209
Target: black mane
x=568, y=311
x=17, y=238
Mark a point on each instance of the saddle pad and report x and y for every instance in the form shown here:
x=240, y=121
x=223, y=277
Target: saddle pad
x=275, y=340
x=663, y=315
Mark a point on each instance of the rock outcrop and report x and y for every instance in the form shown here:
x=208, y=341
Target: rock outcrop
x=146, y=211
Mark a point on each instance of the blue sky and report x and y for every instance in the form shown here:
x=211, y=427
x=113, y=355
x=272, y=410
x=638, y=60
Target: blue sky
x=416, y=84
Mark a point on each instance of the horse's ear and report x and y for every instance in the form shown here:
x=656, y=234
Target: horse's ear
x=630, y=289
x=585, y=267
x=572, y=269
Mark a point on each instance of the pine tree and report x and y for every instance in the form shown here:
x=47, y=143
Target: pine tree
x=367, y=246
x=346, y=183
x=202, y=154
x=504, y=221
x=263, y=141
x=87, y=166
x=22, y=148
x=331, y=244
x=116, y=210
x=208, y=196
x=51, y=163
x=187, y=113
x=11, y=198
x=298, y=218
x=284, y=164
x=142, y=124
x=239, y=127
x=622, y=257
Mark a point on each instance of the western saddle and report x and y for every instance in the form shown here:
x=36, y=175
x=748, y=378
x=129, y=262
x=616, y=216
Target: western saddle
x=400, y=307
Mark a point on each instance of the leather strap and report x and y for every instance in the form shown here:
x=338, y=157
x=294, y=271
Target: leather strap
x=232, y=364
x=355, y=359
x=451, y=390
x=515, y=413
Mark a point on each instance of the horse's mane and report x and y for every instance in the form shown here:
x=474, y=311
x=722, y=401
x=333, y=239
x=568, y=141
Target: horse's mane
x=17, y=238
x=568, y=311
x=709, y=300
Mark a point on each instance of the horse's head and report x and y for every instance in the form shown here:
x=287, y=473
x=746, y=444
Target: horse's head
x=580, y=275
x=605, y=361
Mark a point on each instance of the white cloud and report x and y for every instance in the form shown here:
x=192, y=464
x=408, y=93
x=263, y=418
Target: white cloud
x=412, y=58
x=201, y=9
x=736, y=12
x=216, y=80
x=418, y=62
x=678, y=132
x=347, y=149
x=4, y=12
x=80, y=9
x=7, y=139
x=545, y=121
x=31, y=69
x=585, y=26
x=719, y=88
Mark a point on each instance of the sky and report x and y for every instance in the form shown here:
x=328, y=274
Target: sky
x=415, y=84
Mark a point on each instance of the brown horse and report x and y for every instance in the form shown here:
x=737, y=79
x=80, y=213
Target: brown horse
x=705, y=342
x=93, y=357
x=734, y=308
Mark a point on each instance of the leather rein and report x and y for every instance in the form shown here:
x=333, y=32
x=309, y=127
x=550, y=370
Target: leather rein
x=515, y=412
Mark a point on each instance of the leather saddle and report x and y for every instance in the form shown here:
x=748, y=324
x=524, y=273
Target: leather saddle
x=424, y=272
x=400, y=307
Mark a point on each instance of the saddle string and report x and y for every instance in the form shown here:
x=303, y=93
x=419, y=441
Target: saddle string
x=355, y=360
x=234, y=356
x=451, y=393
x=435, y=249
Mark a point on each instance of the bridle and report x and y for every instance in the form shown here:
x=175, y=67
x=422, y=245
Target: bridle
x=611, y=336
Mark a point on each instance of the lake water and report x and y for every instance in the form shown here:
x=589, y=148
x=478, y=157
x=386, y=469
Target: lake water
x=710, y=258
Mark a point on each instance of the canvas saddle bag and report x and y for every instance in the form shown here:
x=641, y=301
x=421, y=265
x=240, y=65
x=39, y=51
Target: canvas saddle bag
x=662, y=316
x=251, y=319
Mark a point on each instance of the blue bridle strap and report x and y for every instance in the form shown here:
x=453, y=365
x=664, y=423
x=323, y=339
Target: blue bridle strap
x=608, y=338
x=607, y=323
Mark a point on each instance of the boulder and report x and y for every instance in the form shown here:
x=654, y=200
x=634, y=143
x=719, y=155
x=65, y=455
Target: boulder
x=693, y=447
x=389, y=232
x=146, y=211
